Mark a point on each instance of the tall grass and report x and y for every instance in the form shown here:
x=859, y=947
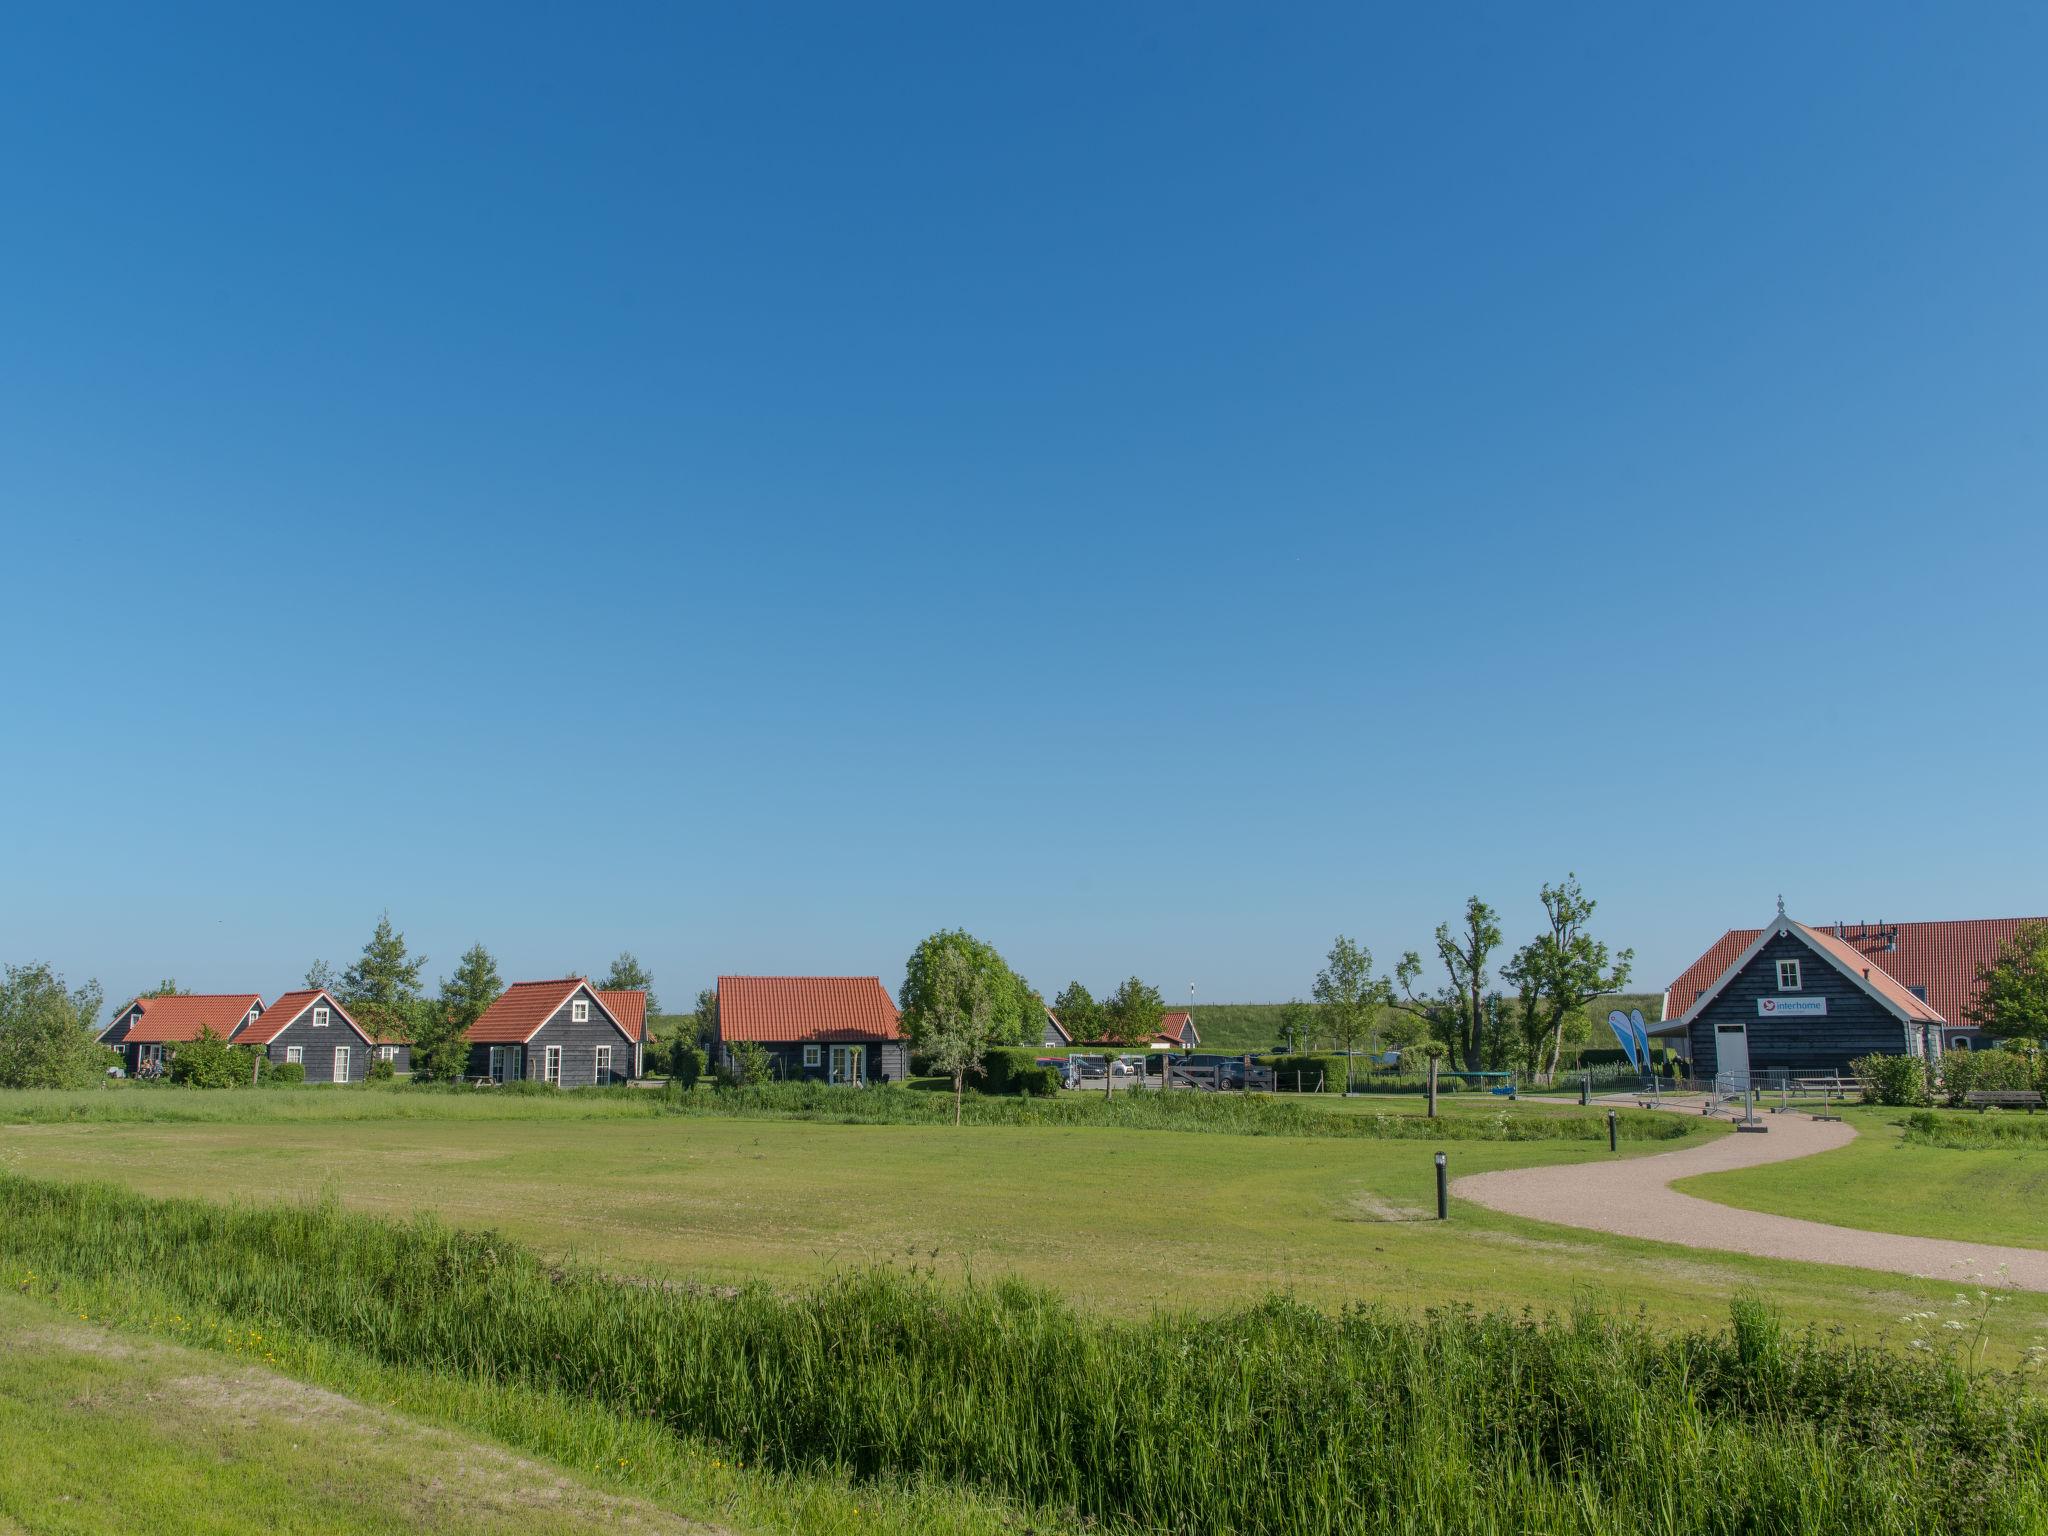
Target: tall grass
x=1992, y=1128
x=1273, y=1419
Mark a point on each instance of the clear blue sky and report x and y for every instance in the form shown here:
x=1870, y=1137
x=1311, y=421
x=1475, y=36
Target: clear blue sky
x=1155, y=485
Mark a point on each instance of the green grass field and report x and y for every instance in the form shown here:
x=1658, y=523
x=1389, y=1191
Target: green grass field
x=1118, y=1221
x=1883, y=1183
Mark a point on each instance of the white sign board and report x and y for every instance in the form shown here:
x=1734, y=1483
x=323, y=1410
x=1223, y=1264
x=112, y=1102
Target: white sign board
x=1791, y=1007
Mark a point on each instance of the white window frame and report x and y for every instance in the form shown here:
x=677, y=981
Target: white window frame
x=1791, y=967
x=344, y=1063
x=295, y=1055
x=387, y=1053
x=321, y=1018
x=601, y=1065
x=551, y=1065
x=813, y=1055
x=579, y=1011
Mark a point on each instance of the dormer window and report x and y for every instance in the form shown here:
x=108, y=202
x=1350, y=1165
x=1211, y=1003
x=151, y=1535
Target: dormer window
x=319, y=1018
x=1788, y=975
x=579, y=1012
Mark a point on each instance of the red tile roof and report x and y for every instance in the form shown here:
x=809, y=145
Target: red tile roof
x=1940, y=958
x=181, y=1018
x=630, y=1009
x=280, y=1015
x=524, y=1006
x=778, y=1009
x=1178, y=1026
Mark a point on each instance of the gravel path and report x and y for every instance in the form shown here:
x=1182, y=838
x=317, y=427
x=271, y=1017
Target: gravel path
x=1633, y=1197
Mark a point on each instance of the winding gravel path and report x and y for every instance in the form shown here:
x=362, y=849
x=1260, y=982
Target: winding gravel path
x=1633, y=1197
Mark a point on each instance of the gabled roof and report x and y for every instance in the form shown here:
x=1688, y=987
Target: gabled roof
x=1178, y=1026
x=181, y=1018
x=630, y=1009
x=1887, y=990
x=522, y=1008
x=1940, y=958
x=1054, y=1020
x=286, y=1011
x=780, y=1009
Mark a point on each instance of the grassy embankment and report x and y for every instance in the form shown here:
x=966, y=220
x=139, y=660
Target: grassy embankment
x=1927, y=1173
x=1274, y=1418
x=1120, y=1222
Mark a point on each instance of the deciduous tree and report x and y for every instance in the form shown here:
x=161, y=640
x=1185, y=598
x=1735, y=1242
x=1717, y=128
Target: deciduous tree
x=1560, y=971
x=1016, y=1013
x=1078, y=1012
x=46, y=1030
x=954, y=1023
x=1130, y=1015
x=168, y=987
x=1457, y=1014
x=707, y=1015
x=1350, y=997
x=440, y=1041
x=2012, y=997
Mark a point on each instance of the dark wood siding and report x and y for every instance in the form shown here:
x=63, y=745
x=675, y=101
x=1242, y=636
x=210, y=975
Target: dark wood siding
x=887, y=1061
x=318, y=1043
x=579, y=1043
x=1855, y=1024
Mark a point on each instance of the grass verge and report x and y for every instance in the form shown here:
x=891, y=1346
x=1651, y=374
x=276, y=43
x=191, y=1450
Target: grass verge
x=1272, y=1418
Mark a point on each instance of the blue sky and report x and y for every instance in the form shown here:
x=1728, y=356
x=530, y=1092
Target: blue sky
x=1157, y=486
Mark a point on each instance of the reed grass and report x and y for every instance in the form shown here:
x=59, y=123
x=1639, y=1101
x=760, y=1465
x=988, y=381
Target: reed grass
x=1276, y=1418
x=1965, y=1131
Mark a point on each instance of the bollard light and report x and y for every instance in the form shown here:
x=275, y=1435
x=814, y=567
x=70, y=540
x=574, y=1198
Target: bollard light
x=1443, y=1188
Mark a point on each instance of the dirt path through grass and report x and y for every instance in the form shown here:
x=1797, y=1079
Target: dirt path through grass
x=1633, y=1198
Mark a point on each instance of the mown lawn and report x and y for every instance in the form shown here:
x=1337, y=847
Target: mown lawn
x=1116, y=1220
x=1882, y=1183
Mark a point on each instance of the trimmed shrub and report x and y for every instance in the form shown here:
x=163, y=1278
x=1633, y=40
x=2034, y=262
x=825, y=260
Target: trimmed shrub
x=685, y=1064
x=381, y=1071
x=1891, y=1079
x=1962, y=1071
x=1015, y=1069
x=210, y=1062
x=284, y=1072
x=1303, y=1068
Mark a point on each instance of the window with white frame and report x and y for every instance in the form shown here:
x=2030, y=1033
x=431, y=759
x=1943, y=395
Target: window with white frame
x=387, y=1053
x=320, y=1017
x=295, y=1054
x=579, y=1012
x=1788, y=975
x=602, y=1072
x=811, y=1057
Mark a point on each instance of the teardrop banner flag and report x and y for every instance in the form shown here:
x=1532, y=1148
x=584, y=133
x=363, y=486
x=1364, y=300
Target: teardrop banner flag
x=1618, y=1022
x=1642, y=1034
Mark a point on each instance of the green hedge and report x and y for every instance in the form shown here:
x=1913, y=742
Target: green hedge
x=1015, y=1069
x=1306, y=1066
x=1891, y=1079
x=1962, y=1071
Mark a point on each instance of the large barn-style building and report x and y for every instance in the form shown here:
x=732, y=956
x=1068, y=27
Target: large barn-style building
x=1796, y=998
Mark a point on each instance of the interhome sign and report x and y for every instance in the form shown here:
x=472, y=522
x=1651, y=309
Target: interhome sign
x=1791, y=1007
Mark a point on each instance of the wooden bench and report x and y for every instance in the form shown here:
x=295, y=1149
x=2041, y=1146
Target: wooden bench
x=1981, y=1099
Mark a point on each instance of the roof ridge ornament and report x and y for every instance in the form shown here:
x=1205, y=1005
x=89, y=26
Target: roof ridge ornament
x=1781, y=903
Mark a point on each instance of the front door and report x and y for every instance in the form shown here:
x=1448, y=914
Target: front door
x=341, y=1063
x=1731, y=1054
x=849, y=1064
